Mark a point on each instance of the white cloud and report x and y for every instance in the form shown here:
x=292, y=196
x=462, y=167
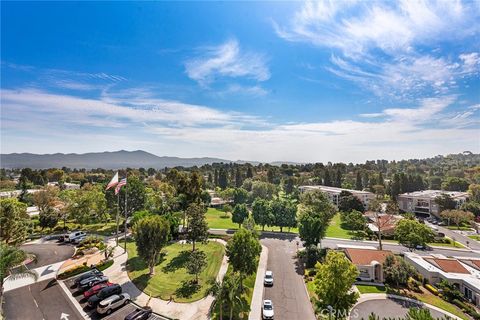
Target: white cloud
x=227, y=60
x=389, y=48
x=39, y=121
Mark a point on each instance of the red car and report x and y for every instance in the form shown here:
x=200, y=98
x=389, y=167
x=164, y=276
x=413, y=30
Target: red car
x=95, y=289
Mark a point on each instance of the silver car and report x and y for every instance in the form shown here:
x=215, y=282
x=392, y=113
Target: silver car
x=113, y=302
x=267, y=310
x=268, y=280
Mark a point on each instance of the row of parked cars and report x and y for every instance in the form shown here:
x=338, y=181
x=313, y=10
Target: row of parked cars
x=105, y=297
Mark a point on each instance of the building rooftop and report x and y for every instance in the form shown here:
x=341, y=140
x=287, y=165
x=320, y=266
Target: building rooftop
x=448, y=265
x=334, y=189
x=366, y=256
x=435, y=193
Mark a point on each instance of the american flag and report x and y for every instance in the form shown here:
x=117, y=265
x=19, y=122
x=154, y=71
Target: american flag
x=120, y=185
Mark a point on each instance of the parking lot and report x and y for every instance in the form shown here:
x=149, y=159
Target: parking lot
x=118, y=314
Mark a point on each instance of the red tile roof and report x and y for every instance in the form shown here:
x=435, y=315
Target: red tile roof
x=448, y=265
x=366, y=256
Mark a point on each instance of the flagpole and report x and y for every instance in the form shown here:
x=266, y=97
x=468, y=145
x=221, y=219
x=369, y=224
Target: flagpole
x=117, y=221
x=126, y=192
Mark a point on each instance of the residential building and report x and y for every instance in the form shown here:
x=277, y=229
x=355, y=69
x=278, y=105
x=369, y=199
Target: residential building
x=386, y=222
x=423, y=202
x=333, y=193
x=463, y=273
x=369, y=262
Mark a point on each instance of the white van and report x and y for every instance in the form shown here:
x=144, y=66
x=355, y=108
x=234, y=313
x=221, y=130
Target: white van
x=70, y=237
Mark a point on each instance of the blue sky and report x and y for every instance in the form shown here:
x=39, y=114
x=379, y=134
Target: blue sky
x=299, y=81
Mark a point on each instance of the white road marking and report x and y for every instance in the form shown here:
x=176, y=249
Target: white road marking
x=35, y=302
x=64, y=316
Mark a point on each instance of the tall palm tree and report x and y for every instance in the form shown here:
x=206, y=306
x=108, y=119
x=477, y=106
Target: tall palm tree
x=11, y=265
x=219, y=291
x=234, y=293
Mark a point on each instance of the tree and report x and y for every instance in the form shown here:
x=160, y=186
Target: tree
x=14, y=221
x=396, y=187
x=240, y=213
x=45, y=200
x=284, y=213
x=455, y=184
x=445, y=202
x=136, y=195
x=354, y=220
x=151, y=235
x=474, y=190
x=411, y=233
x=238, y=178
x=88, y=205
x=264, y=190
x=348, y=202
x=397, y=271
x=457, y=216
x=338, y=179
x=315, y=213
x=12, y=258
x=219, y=291
x=327, y=181
x=358, y=181
x=333, y=283
x=289, y=185
x=392, y=207
x=379, y=191
x=197, y=261
x=240, y=195
x=262, y=212
x=472, y=206
x=222, y=178
x=243, y=251
x=197, y=230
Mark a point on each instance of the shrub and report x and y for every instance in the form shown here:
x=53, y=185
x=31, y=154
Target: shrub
x=432, y=289
x=312, y=272
x=83, y=268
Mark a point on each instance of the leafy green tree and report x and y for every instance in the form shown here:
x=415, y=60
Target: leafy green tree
x=348, y=202
x=392, y=207
x=222, y=178
x=240, y=213
x=136, y=195
x=139, y=215
x=315, y=213
x=397, y=271
x=238, y=178
x=197, y=230
x=358, y=181
x=262, y=212
x=445, y=202
x=12, y=258
x=289, y=185
x=327, y=181
x=14, y=221
x=455, y=184
x=243, y=251
x=457, y=216
x=88, y=205
x=151, y=235
x=219, y=291
x=240, y=196
x=284, y=212
x=412, y=233
x=354, y=220
x=474, y=190
x=472, y=206
x=45, y=200
x=264, y=190
x=197, y=261
x=333, y=283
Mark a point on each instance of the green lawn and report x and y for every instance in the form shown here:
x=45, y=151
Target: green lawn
x=452, y=244
x=436, y=301
x=171, y=278
x=363, y=288
x=335, y=229
x=474, y=237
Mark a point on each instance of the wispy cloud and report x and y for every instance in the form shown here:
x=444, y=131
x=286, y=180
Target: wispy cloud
x=227, y=60
x=389, y=48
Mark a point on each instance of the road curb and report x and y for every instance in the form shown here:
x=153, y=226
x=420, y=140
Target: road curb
x=257, y=297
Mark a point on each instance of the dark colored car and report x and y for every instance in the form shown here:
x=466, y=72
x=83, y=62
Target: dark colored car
x=139, y=314
x=91, y=273
x=95, y=289
x=93, y=301
x=92, y=281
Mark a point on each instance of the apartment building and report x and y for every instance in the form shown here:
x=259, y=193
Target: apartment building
x=463, y=273
x=333, y=193
x=423, y=202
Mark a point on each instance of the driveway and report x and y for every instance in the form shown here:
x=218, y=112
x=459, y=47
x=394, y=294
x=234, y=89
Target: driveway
x=48, y=253
x=42, y=300
x=288, y=294
x=387, y=308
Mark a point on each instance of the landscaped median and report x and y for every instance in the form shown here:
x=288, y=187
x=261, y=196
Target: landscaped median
x=171, y=280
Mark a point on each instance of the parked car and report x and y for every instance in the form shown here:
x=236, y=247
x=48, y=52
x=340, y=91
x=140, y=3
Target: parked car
x=92, y=281
x=95, y=289
x=267, y=310
x=91, y=273
x=78, y=239
x=103, y=294
x=268, y=280
x=113, y=302
x=139, y=314
x=73, y=235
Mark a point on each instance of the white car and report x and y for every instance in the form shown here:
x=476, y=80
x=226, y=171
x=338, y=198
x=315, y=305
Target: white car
x=108, y=305
x=268, y=280
x=74, y=235
x=267, y=310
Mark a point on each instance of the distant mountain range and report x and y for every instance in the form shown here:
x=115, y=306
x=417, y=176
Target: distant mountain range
x=106, y=160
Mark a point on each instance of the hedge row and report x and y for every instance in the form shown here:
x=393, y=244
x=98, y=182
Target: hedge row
x=83, y=268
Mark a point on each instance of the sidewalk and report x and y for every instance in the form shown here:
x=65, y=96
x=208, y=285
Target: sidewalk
x=197, y=310
x=257, y=297
x=44, y=273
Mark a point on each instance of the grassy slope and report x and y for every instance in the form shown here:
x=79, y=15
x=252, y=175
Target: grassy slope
x=170, y=275
x=335, y=229
x=363, y=288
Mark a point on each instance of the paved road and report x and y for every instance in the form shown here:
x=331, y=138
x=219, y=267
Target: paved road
x=288, y=294
x=48, y=253
x=387, y=308
x=42, y=300
x=475, y=245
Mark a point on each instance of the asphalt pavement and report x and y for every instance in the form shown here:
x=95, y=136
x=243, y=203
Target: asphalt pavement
x=48, y=253
x=39, y=301
x=387, y=308
x=288, y=294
